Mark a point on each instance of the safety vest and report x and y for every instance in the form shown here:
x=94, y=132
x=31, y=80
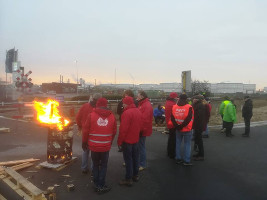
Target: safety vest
x=100, y=133
x=180, y=113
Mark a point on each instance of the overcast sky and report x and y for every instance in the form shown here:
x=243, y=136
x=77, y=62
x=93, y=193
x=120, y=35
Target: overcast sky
x=146, y=41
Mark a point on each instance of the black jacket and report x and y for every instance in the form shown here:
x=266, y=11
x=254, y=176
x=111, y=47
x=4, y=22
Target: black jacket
x=199, y=116
x=247, y=109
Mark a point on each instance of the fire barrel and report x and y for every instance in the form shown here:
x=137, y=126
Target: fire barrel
x=59, y=145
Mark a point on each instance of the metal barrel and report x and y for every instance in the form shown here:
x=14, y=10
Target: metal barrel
x=59, y=145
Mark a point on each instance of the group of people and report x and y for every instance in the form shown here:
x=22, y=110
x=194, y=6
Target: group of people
x=184, y=120
x=99, y=127
x=228, y=113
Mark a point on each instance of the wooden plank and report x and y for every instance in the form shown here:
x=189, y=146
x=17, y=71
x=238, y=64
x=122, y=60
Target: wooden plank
x=24, y=182
x=16, y=189
x=17, y=167
x=2, y=198
x=22, y=166
x=5, y=130
x=15, y=162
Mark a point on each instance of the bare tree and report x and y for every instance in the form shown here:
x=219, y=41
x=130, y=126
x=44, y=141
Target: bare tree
x=200, y=87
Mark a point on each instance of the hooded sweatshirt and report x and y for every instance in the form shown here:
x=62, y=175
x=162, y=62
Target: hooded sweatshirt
x=130, y=126
x=100, y=129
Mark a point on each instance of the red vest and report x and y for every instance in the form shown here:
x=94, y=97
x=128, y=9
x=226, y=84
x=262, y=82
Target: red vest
x=180, y=113
x=101, y=132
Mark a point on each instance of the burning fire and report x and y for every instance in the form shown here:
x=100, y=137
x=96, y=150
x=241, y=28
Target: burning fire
x=48, y=113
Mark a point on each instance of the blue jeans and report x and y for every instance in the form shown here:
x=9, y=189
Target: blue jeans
x=100, y=162
x=142, y=151
x=187, y=145
x=206, y=132
x=85, y=156
x=130, y=155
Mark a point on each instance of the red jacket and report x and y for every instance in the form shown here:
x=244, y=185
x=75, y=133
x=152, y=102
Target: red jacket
x=99, y=130
x=130, y=125
x=168, y=110
x=84, y=111
x=147, y=116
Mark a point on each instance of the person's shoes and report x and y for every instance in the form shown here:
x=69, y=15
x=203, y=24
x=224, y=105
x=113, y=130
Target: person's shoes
x=187, y=164
x=85, y=171
x=199, y=158
x=126, y=182
x=232, y=135
x=195, y=155
x=141, y=168
x=179, y=161
x=135, y=178
x=245, y=135
x=103, y=190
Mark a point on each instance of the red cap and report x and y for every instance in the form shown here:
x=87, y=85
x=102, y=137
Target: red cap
x=173, y=95
x=102, y=102
x=128, y=100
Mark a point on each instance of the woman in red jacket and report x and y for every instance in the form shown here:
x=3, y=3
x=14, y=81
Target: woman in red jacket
x=146, y=109
x=99, y=132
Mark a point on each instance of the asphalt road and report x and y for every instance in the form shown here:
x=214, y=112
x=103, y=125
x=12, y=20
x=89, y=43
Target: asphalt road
x=234, y=168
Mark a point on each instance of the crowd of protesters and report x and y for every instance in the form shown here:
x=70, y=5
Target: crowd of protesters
x=186, y=120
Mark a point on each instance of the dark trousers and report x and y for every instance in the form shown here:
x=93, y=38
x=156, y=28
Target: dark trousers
x=131, y=155
x=171, y=147
x=199, y=142
x=228, y=127
x=247, y=125
x=223, y=123
x=100, y=162
x=159, y=119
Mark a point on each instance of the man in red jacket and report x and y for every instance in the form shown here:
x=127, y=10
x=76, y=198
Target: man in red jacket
x=170, y=102
x=99, y=131
x=146, y=109
x=128, y=139
x=81, y=117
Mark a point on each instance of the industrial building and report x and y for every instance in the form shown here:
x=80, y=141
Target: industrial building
x=215, y=88
x=59, y=88
x=232, y=88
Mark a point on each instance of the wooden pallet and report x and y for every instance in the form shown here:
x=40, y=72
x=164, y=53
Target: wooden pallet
x=15, y=162
x=56, y=167
x=22, y=186
x=2, y=198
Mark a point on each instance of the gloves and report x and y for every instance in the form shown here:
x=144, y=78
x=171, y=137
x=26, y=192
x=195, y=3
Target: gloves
x=178, y=127
x=84, y=146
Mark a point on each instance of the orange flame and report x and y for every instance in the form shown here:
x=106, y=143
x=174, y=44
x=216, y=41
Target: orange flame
x=48, y=114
